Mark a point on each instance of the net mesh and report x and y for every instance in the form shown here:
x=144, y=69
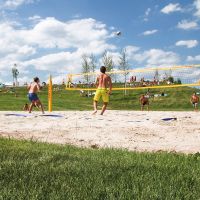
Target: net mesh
x=176, y=76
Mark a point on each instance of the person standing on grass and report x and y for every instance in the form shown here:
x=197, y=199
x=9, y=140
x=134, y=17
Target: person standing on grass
x=144, y=101
x=104, y=89
x=194, y=101
x=32, y=95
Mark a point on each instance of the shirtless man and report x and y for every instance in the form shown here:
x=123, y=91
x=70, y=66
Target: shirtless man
x=194, y=100
x=104, y=89
x=32, y=95
x=144, y=101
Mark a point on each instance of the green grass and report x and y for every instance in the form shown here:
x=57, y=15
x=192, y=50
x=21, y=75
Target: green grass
x=177, y=99
x=30, y=170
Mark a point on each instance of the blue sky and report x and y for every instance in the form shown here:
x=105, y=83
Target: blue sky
x=49, y=36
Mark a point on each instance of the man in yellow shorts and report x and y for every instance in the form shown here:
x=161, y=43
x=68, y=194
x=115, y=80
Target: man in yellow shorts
x=104, y=89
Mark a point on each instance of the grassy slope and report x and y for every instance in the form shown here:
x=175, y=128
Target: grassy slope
x=30, y=170
x=177, y=99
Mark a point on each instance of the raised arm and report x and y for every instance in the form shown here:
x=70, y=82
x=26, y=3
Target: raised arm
x=39, y=87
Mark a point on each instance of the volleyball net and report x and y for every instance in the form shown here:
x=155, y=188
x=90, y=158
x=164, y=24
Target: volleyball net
x=140, y=78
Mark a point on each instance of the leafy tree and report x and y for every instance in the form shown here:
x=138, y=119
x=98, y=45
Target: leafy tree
x=93, y=64
x=124, y=66
x=107, y=61
x=86, y=67
x=156, y=75
x=179, y=81
x=86, y=70
x=171, y=79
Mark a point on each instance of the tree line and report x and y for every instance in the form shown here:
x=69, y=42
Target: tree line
x=89, y=64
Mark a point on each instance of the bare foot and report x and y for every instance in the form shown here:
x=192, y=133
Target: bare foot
x=94, y=112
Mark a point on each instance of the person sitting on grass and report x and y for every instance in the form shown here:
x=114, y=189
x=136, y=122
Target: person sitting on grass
x=194, y=101
x=144, y=101
x=26, y=107
x=32, y=95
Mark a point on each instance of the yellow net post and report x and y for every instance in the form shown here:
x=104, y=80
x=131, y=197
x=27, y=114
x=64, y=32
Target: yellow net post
x=50, y=94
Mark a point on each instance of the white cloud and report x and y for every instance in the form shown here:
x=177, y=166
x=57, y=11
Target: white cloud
x=147, y=13
x=51, y=33
x=197, y=6
x=35, y=18
x=193, y=58
x=170, y=8
x=156, y=58
x=76, y=16
x=13, y=4
x=59, y=79
x=187, y=43
x=68, y=40
x=131, y=50
x=187, y=25
x=64, y=61
x=150, y=32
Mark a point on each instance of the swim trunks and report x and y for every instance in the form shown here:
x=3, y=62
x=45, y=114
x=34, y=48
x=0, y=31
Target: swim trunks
x=195, y=104
x=33, y=97
x=145, y=103
x=102, y=92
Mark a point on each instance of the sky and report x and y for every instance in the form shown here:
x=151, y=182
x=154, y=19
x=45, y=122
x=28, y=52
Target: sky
x=50, y=36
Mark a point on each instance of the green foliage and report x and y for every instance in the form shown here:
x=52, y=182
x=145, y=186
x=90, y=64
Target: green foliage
x=107, y=61
x=179, y=81
x=171, y=79
x=124, y=66
x=86, y=67
x=30, y=170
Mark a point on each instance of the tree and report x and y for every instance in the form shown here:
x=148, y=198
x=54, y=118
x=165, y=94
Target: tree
x=93, y=64
x=156, y=76
x=107, y=61
x=179, y=81
x=171, y=79
x=15, y=74
x=124, y=66
x=86, y=69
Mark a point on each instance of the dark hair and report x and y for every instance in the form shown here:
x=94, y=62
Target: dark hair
x=36, y=79
x=103, y=69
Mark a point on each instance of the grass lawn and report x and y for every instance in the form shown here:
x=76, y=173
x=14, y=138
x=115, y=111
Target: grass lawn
x=30, y=170
x=177, y=99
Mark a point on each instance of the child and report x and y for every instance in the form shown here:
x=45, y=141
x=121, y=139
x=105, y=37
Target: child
x=26, y=107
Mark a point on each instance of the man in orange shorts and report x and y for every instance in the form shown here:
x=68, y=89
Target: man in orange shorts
x=104, y=89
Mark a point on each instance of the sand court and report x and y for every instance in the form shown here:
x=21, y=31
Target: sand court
x=132, y=130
